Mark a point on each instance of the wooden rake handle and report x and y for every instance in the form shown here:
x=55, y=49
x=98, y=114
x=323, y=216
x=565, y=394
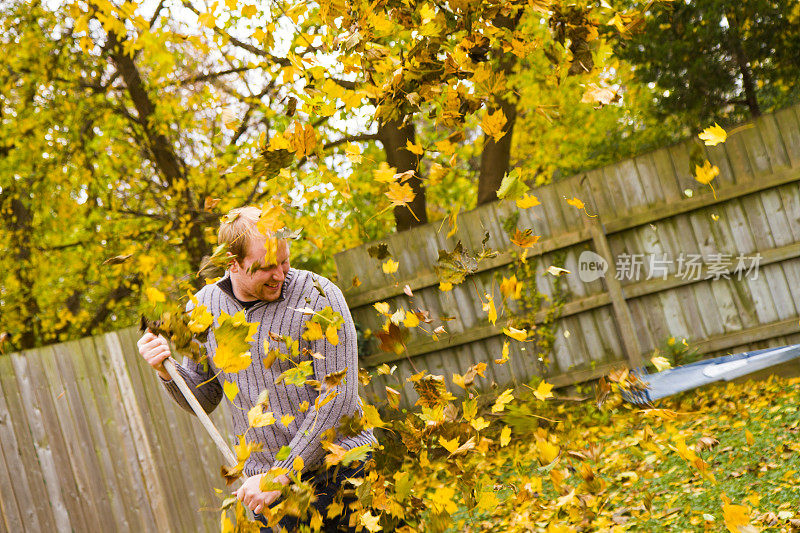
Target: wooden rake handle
x=211, y=429
x=222, y=446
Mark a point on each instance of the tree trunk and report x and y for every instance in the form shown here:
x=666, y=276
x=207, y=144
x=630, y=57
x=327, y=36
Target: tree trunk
x=744, y=66
x=25, y=307
x=394, y=135
x=496, y=156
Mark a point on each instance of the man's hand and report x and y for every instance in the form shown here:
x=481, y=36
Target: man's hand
x=253, y=497
x=155, y=350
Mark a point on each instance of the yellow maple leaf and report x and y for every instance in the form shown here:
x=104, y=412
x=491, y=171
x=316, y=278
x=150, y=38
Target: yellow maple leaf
x=504, y=355
x=661, y=363
x=298, y=464
x=332, y=335
x=505, y=436
x=502, y=400
x=313, y=331
x=543, y=391
x=493, y=123
x=449, y=445
x=229, y=361
x=735, y=516
x=303, y=140
x=258, y=418
x=713, y=135
x=490, y=309
x=706, y=173
x=200, y=319
x=516, y=334
x=511, y=288
x=390, y=266
x=411, y=320
x=370, y=522
x=230, y=390
x=445, y=286
x=488, y=501
x=249, y=10
x=575, y=202
x=400, y=194
x=382, y=307
x=528, y=201
x=547, y=452
x=479, y=423
x=286, y=420
x=414, y=148
x=384, y=173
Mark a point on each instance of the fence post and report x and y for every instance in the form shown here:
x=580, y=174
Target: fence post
x=144, y=451
x=622, y=313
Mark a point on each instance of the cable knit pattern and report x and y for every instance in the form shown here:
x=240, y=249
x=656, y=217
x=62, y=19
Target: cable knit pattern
x=304, y=433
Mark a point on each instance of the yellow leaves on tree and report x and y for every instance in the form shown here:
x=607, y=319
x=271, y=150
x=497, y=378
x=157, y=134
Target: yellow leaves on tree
x=302, y=140
x=233, y=335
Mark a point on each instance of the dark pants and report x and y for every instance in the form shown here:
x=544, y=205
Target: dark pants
x=326, y=488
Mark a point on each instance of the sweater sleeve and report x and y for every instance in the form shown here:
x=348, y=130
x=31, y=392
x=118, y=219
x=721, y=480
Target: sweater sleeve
x=209, y=394
x=306, y=443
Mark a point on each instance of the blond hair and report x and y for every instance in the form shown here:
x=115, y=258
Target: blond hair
x=238, y=229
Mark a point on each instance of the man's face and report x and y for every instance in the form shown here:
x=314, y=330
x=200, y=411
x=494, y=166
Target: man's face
x=253, y=280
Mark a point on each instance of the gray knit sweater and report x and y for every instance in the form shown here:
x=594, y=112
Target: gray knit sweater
x=304, y=432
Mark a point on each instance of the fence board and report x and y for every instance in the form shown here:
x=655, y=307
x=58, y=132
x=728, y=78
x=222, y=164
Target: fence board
x=114, y=489
x=73, y=432
x=44, y=440
x=10, y=511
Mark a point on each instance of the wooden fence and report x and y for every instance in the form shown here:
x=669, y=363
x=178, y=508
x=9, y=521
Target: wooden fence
x=90, y=443
x=643, y=211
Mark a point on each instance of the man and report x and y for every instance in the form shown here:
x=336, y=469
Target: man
x=271, y=295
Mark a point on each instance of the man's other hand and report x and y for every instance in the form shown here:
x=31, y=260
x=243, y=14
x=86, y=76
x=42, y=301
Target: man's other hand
x=155, y=350
x=253, y=497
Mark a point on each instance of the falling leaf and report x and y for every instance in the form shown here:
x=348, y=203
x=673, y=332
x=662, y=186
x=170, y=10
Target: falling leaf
x=511, y=288
x=516, y=334
x=258, y=418
x=445, y=286
x=502, y=400
x=230, y=390
x=512, y=186
x=706, y=173
x=493, y=123
x=449, y=445
x=543, y=391
x=504, y=354
x=556, y=271
x=524, y=239
x=392, y=339
x=382, y=307
x=527, y=201
x=489, y=309
x=505, y=436
x=713, y=135
x=661, y=363
x=400, y=195
x=600, y=95
x=415, y=149
x=390, y=266
x=379, y=251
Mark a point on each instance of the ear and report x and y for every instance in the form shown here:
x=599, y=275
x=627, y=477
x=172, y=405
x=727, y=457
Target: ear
x=233, y=264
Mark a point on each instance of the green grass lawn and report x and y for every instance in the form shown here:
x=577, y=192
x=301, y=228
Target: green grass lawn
x=619, y=466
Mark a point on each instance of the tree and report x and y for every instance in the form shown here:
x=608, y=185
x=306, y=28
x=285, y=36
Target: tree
x=712, y=59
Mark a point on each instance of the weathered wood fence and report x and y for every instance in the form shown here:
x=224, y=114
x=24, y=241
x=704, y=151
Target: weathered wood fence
x=89, y=443
x=643, y=212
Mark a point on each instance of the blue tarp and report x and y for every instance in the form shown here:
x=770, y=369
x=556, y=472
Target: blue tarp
x=691, y=376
